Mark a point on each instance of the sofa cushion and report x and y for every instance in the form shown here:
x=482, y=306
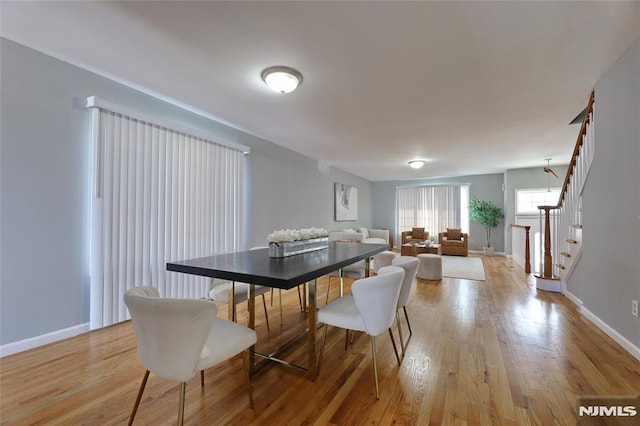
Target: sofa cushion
x=364, y=232
x=349, y=230
x=379, y=233
x=454, y=234
x=374, y=240
x=453, y=243
x=345, y=236
x=417, y=233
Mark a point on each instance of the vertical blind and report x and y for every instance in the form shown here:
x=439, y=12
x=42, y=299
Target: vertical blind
x=159, y=195
x=433, y=207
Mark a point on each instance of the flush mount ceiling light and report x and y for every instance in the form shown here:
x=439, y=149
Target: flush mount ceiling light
x=416, y=164
x=282, y=79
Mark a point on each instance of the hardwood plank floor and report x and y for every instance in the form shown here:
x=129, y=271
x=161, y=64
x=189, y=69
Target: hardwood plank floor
x=482, y=352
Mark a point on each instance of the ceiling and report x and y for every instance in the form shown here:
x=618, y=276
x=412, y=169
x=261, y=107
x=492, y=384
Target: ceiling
x=471, y=87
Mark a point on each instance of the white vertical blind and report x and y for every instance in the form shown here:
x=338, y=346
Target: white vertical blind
x=433, y=207
x=159, y=195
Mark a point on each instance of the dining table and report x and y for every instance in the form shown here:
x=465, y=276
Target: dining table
x=255, y=267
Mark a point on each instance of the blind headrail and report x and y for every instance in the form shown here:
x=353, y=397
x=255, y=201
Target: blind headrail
x=96, y=102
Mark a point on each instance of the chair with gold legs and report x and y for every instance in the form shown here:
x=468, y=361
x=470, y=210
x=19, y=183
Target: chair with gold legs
x=220, y=291
x=410, y=266
x=279, y=292
x=370, y=308
x=179, y=337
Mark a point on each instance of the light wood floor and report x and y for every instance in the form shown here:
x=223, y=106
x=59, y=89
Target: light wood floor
x=483, y=352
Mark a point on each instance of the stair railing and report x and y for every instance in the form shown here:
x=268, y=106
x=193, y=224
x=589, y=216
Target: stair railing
x=567, y=216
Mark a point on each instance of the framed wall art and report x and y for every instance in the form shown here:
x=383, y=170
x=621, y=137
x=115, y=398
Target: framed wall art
x=346, y=202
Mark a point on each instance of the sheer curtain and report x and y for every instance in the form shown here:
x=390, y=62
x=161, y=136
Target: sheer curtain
x=159, y=194
x=433, y=207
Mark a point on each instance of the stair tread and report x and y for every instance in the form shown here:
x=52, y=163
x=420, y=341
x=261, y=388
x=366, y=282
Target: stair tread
x=565, y=254
x=570, y=241
x=560, y=265
x=577, y=226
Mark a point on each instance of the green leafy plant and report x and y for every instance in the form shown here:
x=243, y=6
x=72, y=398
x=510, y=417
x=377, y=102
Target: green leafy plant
x=485, y=213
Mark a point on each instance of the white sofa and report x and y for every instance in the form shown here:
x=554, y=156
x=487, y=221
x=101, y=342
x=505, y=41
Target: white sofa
x=362, y=235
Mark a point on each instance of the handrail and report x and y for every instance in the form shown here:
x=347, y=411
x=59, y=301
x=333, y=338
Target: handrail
x=576, y=150
x=574, y=167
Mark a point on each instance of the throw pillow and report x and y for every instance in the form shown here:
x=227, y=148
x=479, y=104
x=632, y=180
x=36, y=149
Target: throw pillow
x=349, y=230
x=364, y=232
x=454, y=234
x=417, y=233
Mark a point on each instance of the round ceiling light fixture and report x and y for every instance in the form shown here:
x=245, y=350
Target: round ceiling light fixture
x=282, y=79
x=416, y=164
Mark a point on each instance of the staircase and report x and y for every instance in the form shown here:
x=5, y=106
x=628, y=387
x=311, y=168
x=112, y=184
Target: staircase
x=566, y=219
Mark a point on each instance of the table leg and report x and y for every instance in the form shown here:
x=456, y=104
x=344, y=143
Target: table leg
x=312, y=315
x=252, y=323
x=305, y=297
x=367, y=264
x=232, y=302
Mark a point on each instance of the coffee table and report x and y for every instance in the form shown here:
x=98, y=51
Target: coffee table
x=416, y=249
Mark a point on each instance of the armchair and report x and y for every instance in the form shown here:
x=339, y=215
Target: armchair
x=454, y=242
x=416, y=235
x=382, y=234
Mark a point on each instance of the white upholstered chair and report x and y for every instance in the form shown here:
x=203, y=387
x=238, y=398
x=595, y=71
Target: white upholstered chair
x=220, y=290
x=179, y=337
x=279, y=290
x=410, y=266
x=356, y=270
x=383, y=259
x=370, y=308
x=279, y=293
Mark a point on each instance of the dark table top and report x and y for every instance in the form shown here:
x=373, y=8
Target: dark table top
x=256, y=267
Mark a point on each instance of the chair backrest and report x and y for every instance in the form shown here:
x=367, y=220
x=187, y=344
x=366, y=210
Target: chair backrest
x=377, y=297
x=170, y=332
x=410, y=266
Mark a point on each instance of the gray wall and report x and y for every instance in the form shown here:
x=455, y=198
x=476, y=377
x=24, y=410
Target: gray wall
x=529, y=178
x=289, y=190
x=44, y=197
x=607, y=277
x=484, y=187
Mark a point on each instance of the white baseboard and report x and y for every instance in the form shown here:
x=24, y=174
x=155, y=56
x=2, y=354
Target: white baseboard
x=608, y=330
x=495, y=253
x=572, y=297
x=34, y=342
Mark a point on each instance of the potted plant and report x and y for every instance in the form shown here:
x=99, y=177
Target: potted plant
x=488, y=215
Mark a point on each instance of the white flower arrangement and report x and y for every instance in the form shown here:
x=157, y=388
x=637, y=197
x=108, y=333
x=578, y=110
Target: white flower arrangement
x=286, y=235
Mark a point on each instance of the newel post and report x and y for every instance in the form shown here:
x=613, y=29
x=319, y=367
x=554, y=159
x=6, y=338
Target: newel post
x=548, y=260
x=527, y=251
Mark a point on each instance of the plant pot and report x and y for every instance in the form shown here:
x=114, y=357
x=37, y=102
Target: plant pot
x=488, y=251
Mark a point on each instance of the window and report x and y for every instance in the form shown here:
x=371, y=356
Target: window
x=434, y=207
x=160, y=193
x=528, y=200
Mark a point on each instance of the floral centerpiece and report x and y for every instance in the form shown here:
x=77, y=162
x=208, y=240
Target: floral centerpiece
x=285, y=235
x=288, y=242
